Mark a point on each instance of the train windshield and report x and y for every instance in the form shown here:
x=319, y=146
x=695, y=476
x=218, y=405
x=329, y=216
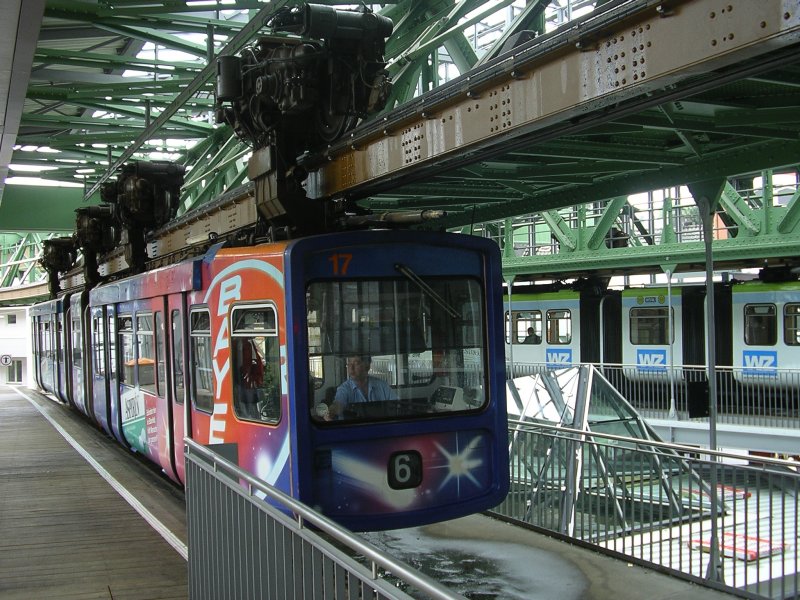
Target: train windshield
x=390, y=348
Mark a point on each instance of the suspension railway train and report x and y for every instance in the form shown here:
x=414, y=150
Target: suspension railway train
x=246, y=346
x=654, y=334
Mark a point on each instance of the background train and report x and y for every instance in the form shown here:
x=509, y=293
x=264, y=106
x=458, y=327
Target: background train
x=244, y=348
x=658, y=335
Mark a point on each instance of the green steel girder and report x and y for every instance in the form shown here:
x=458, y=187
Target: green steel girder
x=233, y=45
x=435, y=36
x=52, y=56
x=561, y=230
x=708, y=125
x=788, y=223
x=752, y=251
x=148, y=35
x=531, y=18
x=73, y=10
x=737, y=209
x=757, y=156
x=214, y=171
x=175, y=6
x=598, y=233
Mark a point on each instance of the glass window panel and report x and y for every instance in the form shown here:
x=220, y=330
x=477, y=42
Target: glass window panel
x=649, y=325
x=146, y=355
x=161, y=367
x=177, y=357
x=760, y=325
x=202, y=369
x=126, y=349
x=256, y=363
x=411, y=346
x=77, y=343
x=528, y=327
x=559, y=327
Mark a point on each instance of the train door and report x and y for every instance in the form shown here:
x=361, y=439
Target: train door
x=76, y=374
x=62, y=378
x=176, y=351
x=48, y=358
x=159, y=409
x=651, y=350
x=100, y=398
x=113, y=373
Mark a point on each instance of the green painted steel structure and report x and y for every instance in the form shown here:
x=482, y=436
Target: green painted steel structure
x=118, y=79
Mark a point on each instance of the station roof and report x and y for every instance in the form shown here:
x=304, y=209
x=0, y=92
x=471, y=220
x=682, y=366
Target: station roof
x=88, y=88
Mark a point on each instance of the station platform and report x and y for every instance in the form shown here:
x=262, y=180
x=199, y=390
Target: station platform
x=81, y=518
x=66, y=531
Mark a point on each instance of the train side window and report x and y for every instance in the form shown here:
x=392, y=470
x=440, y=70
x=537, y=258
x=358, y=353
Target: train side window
x=649, y=326
x=127, y=356
x=791, y=324
x=559, y=327
x=77, y=345
x=98, y=347
x=202, y=369
x=760, y=324
x=255, y=363
x=161, y=367
x=145, y=361
x=528, y=327
x=177, y=357
x=112, y=348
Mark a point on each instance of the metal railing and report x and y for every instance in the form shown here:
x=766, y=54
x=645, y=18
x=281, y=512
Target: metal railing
x=744, y=397
x=654, y=502
x=243, y=543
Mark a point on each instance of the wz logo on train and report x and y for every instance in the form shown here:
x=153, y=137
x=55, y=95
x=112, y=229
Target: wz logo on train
x=651, y=361
x=559, y=359
x=760, y=362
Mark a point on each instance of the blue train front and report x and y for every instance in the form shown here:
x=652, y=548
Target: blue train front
x=421, y=313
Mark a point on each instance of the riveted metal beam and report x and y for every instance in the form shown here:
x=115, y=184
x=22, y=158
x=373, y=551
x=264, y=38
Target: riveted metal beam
x=608, y=66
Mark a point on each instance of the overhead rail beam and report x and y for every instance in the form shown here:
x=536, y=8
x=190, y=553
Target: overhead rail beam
x=611, y=64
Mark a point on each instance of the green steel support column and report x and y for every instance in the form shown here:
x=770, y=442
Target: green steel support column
x=508, y=239
x=668, y=235
x=766, y=202
x=707, y=194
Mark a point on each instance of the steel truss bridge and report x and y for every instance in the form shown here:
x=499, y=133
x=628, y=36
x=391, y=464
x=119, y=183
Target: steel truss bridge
x=535, y=124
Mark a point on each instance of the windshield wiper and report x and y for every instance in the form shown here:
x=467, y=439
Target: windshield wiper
x=416, y=280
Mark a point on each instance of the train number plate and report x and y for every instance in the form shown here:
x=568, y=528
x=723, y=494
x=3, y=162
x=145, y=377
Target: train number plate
x=405, y=469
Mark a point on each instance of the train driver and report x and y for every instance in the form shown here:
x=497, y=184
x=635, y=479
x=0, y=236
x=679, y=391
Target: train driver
x=360, y=386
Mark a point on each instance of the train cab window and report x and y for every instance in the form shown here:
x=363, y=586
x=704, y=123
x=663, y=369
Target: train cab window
x=178, y=378
x=145, y=359
x=791, y=324
x=527, y=327
x=649, y=326
x=126, y=352
x=161, y=367
x=760, y=324
x=255, y=363
x=77, y=343
x=202, y=368
x=393, y=348
x=559, y=327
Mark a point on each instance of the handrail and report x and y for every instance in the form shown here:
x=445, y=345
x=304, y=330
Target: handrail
x=212, y=463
